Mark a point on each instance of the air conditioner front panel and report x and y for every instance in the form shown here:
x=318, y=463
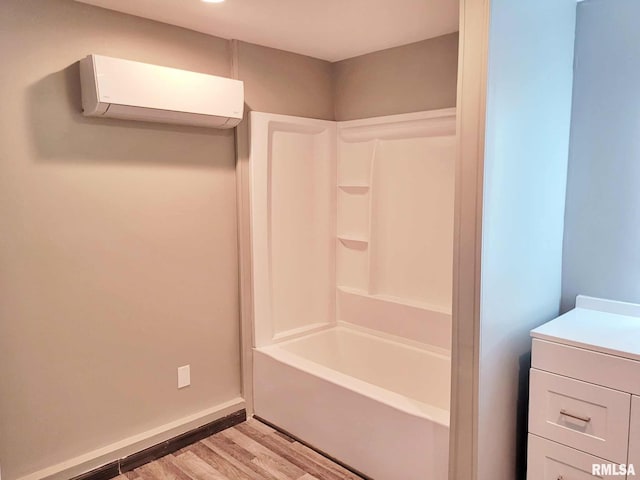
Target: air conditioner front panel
x=117, y=88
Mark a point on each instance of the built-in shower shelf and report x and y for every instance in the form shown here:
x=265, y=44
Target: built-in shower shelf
x=416, y=321
x=353, y=291
x=396, y=300
x=353, y=242
x=356, y=189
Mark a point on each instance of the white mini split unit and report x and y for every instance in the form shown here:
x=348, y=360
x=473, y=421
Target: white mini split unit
x=116, y=88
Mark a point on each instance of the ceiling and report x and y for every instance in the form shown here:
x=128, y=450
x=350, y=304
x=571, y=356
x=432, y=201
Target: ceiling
x=328, y=29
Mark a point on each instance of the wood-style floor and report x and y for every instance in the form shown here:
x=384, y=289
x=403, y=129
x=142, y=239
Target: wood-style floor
x=248, y=451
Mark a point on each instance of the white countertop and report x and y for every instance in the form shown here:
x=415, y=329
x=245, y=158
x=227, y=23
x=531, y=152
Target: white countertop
x=594, y=329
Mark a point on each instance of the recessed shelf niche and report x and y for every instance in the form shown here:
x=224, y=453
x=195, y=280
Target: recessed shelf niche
x=353, y=214
x=354, y=163
x=352, y=263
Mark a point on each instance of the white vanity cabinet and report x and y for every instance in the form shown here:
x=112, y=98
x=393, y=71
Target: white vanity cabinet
x=634, y=434
x=584, y=403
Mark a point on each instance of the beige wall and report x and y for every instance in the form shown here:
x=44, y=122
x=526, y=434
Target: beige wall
x=118, y=242
x=415, y=77
x=283, y=82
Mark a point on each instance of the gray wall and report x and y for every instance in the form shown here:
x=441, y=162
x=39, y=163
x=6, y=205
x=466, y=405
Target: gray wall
x=118, y=243
x=410, y=78
x=602, y=234
x=528, y=116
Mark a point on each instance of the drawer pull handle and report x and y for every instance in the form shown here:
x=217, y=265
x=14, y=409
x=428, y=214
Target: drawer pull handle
x=573, y=415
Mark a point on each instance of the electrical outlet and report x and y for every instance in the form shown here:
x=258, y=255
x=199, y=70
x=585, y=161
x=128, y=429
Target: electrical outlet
x=184, y=376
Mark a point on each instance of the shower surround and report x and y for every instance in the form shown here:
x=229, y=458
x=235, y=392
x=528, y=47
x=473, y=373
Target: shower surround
x=352, y=234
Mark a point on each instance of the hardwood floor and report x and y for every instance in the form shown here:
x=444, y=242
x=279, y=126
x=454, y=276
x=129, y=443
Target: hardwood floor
x=248, y=451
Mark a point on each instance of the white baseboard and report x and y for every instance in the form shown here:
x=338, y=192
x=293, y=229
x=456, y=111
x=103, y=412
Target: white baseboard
x=101, y=456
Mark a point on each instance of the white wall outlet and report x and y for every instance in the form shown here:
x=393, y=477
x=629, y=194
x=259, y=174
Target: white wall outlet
x=184, y=376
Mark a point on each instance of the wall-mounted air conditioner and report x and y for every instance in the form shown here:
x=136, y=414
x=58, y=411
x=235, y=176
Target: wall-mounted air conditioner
x=112, y=87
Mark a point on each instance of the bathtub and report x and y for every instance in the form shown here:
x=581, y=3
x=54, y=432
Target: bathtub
x=378, y=405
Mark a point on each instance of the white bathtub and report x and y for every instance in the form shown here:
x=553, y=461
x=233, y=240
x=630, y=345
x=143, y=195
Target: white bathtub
x=378, y=405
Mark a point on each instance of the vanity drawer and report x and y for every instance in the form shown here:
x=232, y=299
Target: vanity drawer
x=581, y=415
x=593, y=367
x=548, y=460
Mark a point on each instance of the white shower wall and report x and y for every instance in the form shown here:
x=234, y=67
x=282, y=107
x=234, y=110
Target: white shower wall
x=396, y=184
x=301, y=208
x=358, y=222
x=292, y=210
x=394, y=248
x=412, y=219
